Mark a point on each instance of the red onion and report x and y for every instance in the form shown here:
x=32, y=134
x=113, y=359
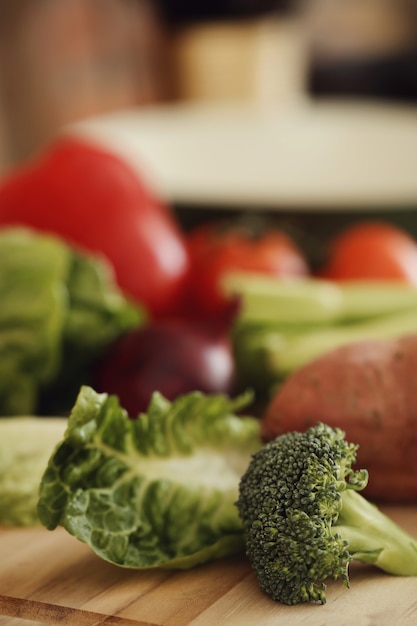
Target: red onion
x=170, y=356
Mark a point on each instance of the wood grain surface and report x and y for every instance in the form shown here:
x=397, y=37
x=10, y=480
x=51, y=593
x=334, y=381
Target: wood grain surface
x=51, y=578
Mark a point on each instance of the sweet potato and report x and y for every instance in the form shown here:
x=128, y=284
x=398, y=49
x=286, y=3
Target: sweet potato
x=369, y=390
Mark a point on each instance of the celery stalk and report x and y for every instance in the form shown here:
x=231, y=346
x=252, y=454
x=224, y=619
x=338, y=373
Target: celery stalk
x=283, y=324
x=296, y=350
x=292, y=302
x=316, y=301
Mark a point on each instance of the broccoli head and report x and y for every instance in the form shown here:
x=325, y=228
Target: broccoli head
x=304, y=519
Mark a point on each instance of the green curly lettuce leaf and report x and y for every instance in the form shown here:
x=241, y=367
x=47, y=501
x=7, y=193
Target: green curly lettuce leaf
x=159, y=491
x=32, y=314
x=96, y=314
x=60, y=309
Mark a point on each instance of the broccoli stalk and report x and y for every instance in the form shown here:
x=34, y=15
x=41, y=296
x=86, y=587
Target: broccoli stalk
x=375, y=538
x=304, y=519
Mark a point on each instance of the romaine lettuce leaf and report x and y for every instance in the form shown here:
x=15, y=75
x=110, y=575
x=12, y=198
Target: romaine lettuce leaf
x=158, y=491
x=26, y=444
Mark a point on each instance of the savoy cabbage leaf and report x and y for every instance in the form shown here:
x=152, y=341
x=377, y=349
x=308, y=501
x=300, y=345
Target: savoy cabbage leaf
x=158, y=491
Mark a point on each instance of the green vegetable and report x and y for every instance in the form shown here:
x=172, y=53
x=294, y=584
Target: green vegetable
x=302, y=348
x=60, y=309
x=31, y=316
x=317, y=301
x=304, y=519
x=26, y=443
x=158, y=491
x=283, y=325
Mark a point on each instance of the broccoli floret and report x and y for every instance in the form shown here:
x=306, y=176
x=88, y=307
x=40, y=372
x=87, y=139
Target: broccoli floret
x=304, y=519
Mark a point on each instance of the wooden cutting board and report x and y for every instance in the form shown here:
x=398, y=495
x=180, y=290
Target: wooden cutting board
x=51, y=578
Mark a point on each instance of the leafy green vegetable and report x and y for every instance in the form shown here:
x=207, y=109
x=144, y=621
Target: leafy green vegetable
x=31, y=315
x=97, y=313
x=158, y=491
x=26, y=443
x=59, y=310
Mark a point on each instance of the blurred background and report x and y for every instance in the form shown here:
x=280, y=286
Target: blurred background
x=68, y=61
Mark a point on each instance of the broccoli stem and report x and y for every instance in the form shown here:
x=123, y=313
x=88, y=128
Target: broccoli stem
x=375, y=538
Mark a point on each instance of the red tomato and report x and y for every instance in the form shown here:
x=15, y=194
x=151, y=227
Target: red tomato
x=97, y=202
x=214, y=252
x=372, y=250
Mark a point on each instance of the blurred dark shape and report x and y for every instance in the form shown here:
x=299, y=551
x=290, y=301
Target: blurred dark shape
x=388, y=77
x=364, y=49
x=182, y=11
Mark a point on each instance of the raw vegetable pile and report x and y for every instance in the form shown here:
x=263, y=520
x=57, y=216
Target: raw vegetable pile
x=154, y=341
x=224, y=307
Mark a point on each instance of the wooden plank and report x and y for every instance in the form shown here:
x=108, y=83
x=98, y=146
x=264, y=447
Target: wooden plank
x=50, y=578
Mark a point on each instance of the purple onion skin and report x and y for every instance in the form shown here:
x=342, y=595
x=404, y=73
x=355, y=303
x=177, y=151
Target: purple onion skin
x=173, y=357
